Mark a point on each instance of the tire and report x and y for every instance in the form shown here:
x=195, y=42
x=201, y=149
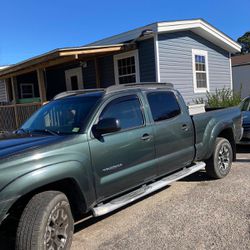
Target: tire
x=46, y=222
x=219, y=164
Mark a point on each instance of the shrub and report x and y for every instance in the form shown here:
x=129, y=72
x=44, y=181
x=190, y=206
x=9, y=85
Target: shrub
x=220, y=98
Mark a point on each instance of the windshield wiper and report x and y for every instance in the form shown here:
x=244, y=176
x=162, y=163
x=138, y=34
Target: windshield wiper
x=46, y=131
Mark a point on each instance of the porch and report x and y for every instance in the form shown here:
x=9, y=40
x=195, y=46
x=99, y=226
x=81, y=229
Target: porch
x=31, y=83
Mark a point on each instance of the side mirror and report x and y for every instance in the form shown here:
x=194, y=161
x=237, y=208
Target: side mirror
x=105, y=126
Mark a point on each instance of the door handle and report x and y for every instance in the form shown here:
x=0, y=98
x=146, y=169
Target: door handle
x=146, y=137
x=185, y=127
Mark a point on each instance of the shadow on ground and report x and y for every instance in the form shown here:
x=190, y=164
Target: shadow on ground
x=243, y=149
x=7, y=234
x=197, y=177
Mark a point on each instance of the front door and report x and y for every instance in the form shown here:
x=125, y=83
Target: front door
x=124, y=159
x=74, y=79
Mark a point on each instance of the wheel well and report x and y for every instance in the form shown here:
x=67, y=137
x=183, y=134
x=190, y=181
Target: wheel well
x=229, y=135
x=67, y=186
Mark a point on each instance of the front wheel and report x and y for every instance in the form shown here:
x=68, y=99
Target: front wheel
x=46, y=223
x=219, y=164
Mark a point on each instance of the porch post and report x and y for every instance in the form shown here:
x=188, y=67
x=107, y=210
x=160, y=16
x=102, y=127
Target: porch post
x=14, y=95
x=41, y=84
x=97, y=75
x=8, y=88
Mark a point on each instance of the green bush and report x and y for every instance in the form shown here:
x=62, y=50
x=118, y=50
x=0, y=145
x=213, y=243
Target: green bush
x=220, y=98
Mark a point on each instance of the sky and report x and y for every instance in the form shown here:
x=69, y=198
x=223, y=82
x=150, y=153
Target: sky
x=32, y=27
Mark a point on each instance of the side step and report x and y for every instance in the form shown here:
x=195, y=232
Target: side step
x=145, y=190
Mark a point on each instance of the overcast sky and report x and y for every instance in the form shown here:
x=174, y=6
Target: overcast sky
x=32, y=27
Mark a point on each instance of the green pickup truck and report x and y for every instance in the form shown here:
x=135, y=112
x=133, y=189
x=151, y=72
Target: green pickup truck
x=98, y=150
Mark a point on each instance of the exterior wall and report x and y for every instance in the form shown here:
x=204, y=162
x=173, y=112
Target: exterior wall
x=3, y=93
x=106, y=71
x=28, y=78
x=175, y=60
x=241, y=79
x=147, y=60
x=55, y=79
x=89, y=75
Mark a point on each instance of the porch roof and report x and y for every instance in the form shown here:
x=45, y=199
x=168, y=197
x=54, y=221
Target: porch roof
x=59, y=56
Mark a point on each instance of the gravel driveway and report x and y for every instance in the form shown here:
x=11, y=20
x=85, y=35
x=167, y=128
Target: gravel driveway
x=194, y=213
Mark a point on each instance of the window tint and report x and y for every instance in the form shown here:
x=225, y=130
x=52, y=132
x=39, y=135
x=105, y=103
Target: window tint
x=245, y=106
x=127, y=110
x=163, y=105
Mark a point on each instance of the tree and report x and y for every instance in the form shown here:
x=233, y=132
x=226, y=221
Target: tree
x=245, y=43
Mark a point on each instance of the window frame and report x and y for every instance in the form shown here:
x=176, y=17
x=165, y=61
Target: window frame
x=163, y=91
x=196, y=52
x=116, y=98
x=117, y=57
x=21, y=90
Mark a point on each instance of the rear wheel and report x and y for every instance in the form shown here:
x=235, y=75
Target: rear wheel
x=219, y=164
x=46, y=223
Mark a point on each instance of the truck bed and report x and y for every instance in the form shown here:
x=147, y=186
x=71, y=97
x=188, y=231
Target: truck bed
x=208, y=124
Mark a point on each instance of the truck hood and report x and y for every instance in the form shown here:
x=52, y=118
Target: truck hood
x=13, y=144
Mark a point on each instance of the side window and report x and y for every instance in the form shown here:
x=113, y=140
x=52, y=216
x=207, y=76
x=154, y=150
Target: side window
x=163, y=105
x=127, y=110
x=245, y=106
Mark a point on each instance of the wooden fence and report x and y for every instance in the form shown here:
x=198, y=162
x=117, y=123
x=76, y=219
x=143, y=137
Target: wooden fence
x=12, y=116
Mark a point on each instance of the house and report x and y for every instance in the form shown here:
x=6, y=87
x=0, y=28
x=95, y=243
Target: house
x=191, y=54
x=241, y=74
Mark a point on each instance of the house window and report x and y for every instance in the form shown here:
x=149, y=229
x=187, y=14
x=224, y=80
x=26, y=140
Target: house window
x=200, y=71
x=126, y=67
x=27, y=90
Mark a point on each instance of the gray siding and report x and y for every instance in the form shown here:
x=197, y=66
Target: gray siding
x=106, y=71
x=241, y=80
x=147, y=60
x=175, y=58
x=89, y=76
x=3, y=94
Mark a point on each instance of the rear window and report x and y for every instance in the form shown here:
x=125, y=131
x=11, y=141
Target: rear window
x=163, y=105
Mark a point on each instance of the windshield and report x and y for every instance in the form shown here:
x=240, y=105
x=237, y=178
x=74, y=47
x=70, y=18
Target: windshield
x=64, y=116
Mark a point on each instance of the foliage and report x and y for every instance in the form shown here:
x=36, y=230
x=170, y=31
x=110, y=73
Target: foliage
x=245, y=43
x=220, y=98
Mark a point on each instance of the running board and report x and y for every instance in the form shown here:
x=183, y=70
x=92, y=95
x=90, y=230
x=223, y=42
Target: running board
x=145, y=190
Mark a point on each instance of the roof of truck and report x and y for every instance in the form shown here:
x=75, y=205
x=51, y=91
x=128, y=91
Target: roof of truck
x=115, y=88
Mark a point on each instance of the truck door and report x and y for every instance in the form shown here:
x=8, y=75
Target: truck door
x=124, y=159
x=173, y=131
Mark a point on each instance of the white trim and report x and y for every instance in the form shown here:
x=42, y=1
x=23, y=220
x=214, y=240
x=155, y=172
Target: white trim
x=27, y=84
x=125, y=55
x=231, y=74
x=74, y=72
x=157, y=58
x=200, y=53
x=203, y=29
x=197, y=26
